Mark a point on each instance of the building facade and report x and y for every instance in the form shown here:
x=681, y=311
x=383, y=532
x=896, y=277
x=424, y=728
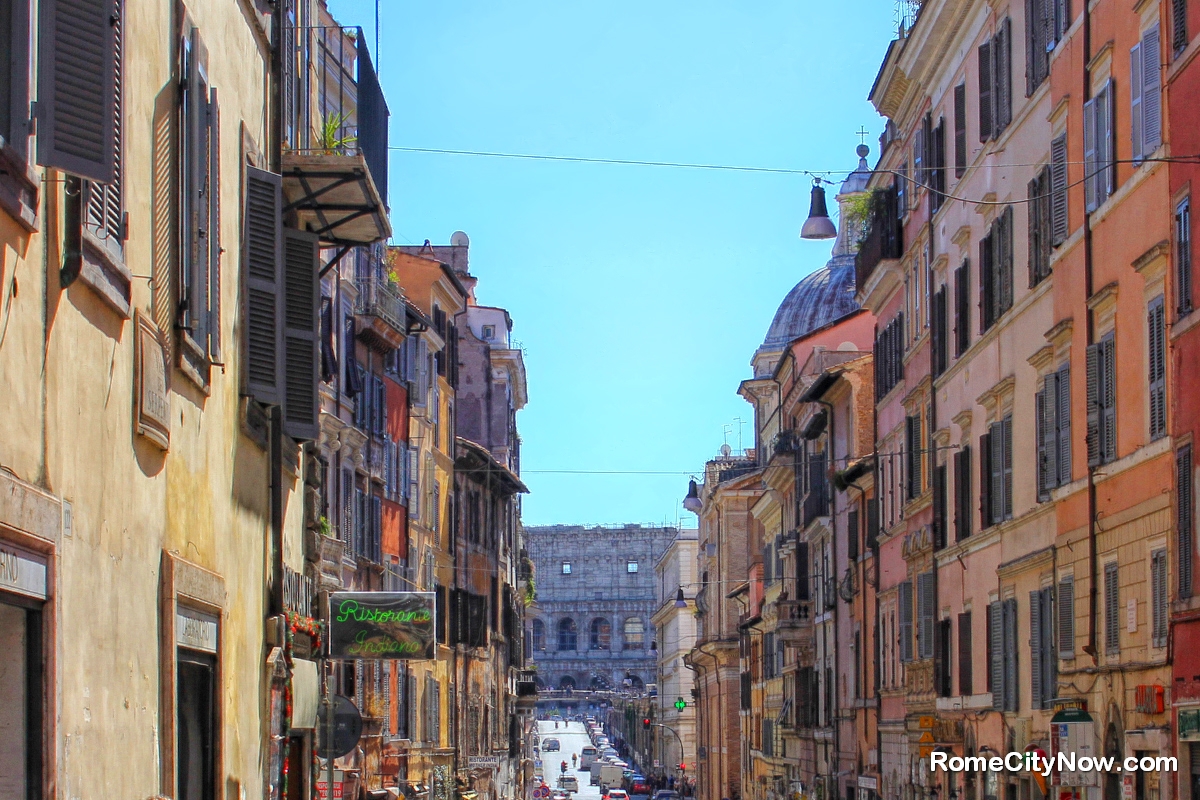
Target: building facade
x=674, y=627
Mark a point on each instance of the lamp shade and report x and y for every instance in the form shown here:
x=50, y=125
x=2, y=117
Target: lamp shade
x=818, y=225
x=692, y=501
x=680, y=600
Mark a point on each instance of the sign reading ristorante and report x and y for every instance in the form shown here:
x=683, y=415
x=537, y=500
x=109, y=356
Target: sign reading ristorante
x=382, y=625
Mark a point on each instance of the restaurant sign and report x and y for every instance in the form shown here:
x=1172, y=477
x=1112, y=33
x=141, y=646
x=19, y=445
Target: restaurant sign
x=382, y=625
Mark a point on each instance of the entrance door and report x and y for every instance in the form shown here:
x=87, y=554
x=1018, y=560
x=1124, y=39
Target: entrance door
x=194, y=714
x=21, y=694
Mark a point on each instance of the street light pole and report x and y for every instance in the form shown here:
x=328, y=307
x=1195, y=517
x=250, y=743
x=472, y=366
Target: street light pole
x=677, y=738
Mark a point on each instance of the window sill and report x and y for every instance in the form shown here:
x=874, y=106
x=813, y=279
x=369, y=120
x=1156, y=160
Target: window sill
x=104, y=272
x=18, y=188
x=193, y=362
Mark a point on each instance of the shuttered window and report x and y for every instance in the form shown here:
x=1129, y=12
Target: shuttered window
x=905, y=598
x=985, y=480
x=965, y=681
x=1179, y=28
x=104, y=209
x=940, y=518
x=995, y=654
x=889, y=357
x=960, y=130
x=937, y=167
x=1010, y=674
x=1112, y=609
x=1145, y=95
x=1156, y=340
x=926, y=608
x=943, y=659
x=347, y=527
x=1066, y=617
x=1099, y=148
x=996, y=455
x=1158, y=598
x=915, y=452
x=414, y=484
x=1053, y=418
x=996, y=270
x=263, y=269
x=962, y=308
x=1183, y=257
x=986, y=112
x=1039, y=39
x=853, y=535
x=1184, y=517
x=1060, y=226
x=995, y=82
x=1101, y=401
x=1040, y=223
x=301, y=295
x=962, y=493
x=1043, y=666
x=941, y=341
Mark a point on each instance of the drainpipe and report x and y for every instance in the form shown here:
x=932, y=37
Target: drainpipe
x=837, y=739
x=1089, y=278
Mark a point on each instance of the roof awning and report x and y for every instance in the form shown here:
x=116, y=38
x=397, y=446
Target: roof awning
x=335, y=197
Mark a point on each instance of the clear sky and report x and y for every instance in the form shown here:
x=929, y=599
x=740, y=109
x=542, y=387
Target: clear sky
x=638, y=293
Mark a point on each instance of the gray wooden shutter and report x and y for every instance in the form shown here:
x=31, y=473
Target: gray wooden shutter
x=1179, y=33
x=347, y=506
x=1093, y=404
x=301, y=363
x=905, y=596
x=965, y=681
x=1136, y=87
x=939, y=507
x=263, y=253
x=1003, y=54
x=1039, y=405
x=1010, y=654
x=1183, y=257
x=985, y=481
x=1090, y=161
x=214, y=228
x=1151, y=92
x=1006, y=427
x=1108, y=396
x=1005, y=260
x=1184, y=521
x=1112, y=609
x=1059, y=222
x=1106, y=143
x=997, y=476
x=105, y=210
x=985, y=91
x=996, y=655
x=1063, y=420
x=962, y=493
x=1066, y=617
x=1156, y=330
x=76, y=106
x=962, y=308
x=1049, y=651
x=1035, y=649
x=1158, y=598
x=926, y=610
x=986, y=283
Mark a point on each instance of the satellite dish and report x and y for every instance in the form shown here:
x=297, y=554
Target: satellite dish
x=460, y=239
x=726, y=450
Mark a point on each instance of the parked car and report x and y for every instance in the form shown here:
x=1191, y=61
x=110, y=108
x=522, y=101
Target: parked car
x=666, y=794
x=550, y=745
x=568, y=783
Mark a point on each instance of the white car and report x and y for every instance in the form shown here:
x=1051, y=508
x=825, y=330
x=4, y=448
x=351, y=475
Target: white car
x=568, y=783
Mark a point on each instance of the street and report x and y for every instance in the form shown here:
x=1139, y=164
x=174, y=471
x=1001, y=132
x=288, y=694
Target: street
x=573, y=737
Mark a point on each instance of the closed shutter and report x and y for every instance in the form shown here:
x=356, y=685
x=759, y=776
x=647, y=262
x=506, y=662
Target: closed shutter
x=962, y=493
x=965, y=680
x=960, y=130
x=1183, y=257
x=1039, y=405
x=939, y=507
x=853, y=534
x=1010, y=655
x=1050, y=438
x=1049, y=651
x=1004, y=261
x=1136, y=88
x=1157, y=341
x=301, y=295
x=213, y=323
x=996, y=655
x=77, y=88
x=414, y=484
x=376, y=543
x=911, y=458
x=1066, y=617
x=1063, y=420
x=926, y=610
x=938, y=176
x=1184, y=520
x=986, y=283
x=1059, y=221
x=1179, y=34
x=1151, y=92
x=905, y=595
x=380, y=406
x=920, y=166
x=985, y=481
x=802, y=585
x=998, y=469
x=1108, y=397
x=985, y=91
x=263, y=258
x=1158, y=598
x=1093, y=404
x=962, y=308
x=1090, y=161
x=1112, y=604
x=1035, y=649
x=348, y=506
x=1006, y=427
x=1002, y=52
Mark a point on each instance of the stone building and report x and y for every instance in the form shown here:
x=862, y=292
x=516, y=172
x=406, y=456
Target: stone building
x=591, y=624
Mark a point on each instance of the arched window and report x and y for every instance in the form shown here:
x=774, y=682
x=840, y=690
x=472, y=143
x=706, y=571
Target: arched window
x=568, y=636
x=567, y=682
x=539, y=635
x=601, y=635
x=635, y=634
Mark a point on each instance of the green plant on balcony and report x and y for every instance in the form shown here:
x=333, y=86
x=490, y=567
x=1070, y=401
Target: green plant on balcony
x=324, y=527
x=330, y=136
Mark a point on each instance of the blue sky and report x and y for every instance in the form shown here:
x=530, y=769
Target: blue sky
x=639, y=293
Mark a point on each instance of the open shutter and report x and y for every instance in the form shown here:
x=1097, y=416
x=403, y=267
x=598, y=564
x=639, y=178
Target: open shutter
x=1158, y=367
x=1090, y=161
x=926, y=609
x=962, y=493
x=1049, y=438
x=998, y=469
x=1106, y=139
x=76, y=109
x=986, y=283
x=1066, y=617
x=1108, y=397
x=853, y=535
x=985, y=91
x=985, y=481
x=1059, y=223
x=301, y=296
x=1158, y=598
x=1005, y=260
x=905, y=596
x=1063, y=420
x=802, y=590
x=1006, y=427
x=962, y=308
x=939, y=507
x=1035, y=649
x=1184, y=521
x=1002, y=56
x=1043, y=481
x=996, y=655
x=214, y=228
x=1135, y=100
x=1093, y=404
x=263, y=258
x=104, y=210
x=965, y=681
x=1151, y=92
x=1010, y=654
x=960, y=130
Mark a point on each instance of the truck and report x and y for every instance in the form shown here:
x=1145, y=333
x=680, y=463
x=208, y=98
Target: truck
x=611, y=776
x=594, y=769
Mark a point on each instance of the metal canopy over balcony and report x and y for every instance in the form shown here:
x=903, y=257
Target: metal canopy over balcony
x=334, y=130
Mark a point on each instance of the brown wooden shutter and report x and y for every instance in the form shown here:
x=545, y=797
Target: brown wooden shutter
x=77, y=87
x=214, y=228
x=965, y=679
x=263, y=243
x=301, y=296
x=1184, y=521
x=985, y=91
x=1059, y=222
x=852, y=535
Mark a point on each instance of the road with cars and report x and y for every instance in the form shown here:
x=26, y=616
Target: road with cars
x=572, y=737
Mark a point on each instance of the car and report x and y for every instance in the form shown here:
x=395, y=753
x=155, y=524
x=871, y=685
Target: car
x=639, y=786
x=586, y=756
x=617, y=794
x=560, y=796
x=666, y=794
x=568, y=783
x=551, y=745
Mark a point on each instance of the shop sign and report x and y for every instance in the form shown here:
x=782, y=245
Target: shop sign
x=22, y=571
x=323, y=784
x=299, y=591
x=382, y=625
x=1189, y=725
x=868, y=782
x=483, y=762
x=195, y=630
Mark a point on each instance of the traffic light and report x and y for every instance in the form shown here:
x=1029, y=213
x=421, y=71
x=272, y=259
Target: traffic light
x=646, y=723
x=683, y=767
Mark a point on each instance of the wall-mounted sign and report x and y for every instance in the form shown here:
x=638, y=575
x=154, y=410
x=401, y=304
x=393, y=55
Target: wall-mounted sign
x=483, y=762
x=22, y=571
x=1189, y=725
x=152, y=408
x=382, y=625
x=195, y=630
x=299, y=592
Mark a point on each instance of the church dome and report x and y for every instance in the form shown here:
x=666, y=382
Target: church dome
x=820, y=298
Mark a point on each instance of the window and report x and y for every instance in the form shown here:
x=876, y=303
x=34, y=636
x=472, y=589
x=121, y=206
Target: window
x=1145, y=117
x=940, y=516
x=600, y=636
x=1002, y=654
x=926, y=608
x=965, y=682
x=1102, y=401
x=1046, y=22
x=1184, y=517
x=962, y=309
x=414, y=483
x=566, y=568
x=935, y=144
x=1158, y=598
x=1040, y=224
x=1183, y=256
x=905, y=597
x=1066, y=617
x=995, y=449
x=631, y=566
x=436, y=507
x=995, y=82
x=1179, y=31
x=941, y=343
x=635, y=634
x=942, y=659
x=1060, y=224
x=962, y=493
x=538, y=635
x=996, y=270
x=1053, y=411
x=1156, y=341
x=889, y=357
x=435, y=418
x=567, y=635
x=489, y=332
x=1112, y=609
x=1099, y=148
x=769, y=665
x=196, y=738
x=1043, y=667
x=960, y=130
x=902, y=189
x=914, y=462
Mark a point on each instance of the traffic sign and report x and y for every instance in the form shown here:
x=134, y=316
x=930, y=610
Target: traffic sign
x=347, y=728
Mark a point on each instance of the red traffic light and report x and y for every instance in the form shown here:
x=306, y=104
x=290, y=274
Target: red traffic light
x=683, y=767
x=646, y=723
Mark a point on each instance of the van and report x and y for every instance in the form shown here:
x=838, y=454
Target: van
x=586, y=756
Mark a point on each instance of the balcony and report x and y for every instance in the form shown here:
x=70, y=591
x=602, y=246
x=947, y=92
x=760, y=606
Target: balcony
x=885, y=236
x=784, y=443
x=380, y=311
x=335, y=124
x=816, y=502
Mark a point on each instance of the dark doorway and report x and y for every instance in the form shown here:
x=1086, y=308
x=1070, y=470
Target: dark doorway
x=21, y=688
x=195, y=737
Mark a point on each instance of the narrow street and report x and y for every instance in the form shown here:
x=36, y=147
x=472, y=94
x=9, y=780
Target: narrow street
x=572, y=737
